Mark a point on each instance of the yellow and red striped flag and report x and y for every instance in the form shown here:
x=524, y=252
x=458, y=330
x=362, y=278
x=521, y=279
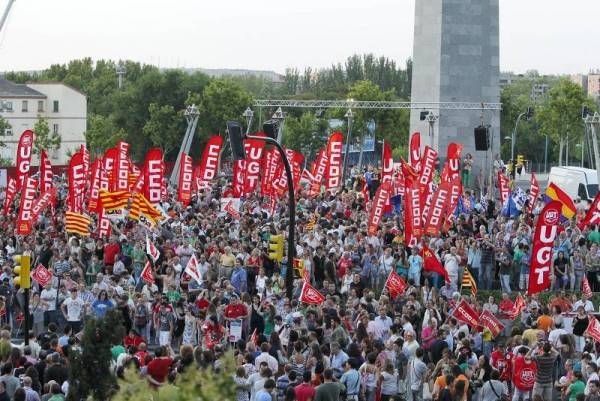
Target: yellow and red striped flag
x=77, y=223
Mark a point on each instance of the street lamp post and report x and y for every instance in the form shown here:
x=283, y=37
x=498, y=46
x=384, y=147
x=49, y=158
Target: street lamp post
x=593, y=121
x=513, y=137
x=191, y=115
x=350, y=116
x=279, y=116
x=248, y=115
x=431, y=119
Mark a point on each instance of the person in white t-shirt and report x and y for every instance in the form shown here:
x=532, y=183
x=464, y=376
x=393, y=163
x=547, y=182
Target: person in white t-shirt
x=72, y=309
x=48, y=296
x=380, y=326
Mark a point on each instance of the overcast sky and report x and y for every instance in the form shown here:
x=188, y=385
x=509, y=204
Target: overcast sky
x=552, y=36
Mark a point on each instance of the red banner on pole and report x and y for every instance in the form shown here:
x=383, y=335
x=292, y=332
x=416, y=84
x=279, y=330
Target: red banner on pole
x=438, y=209
x=534, y=191
x=412, y=206
x=541, y=254
x=378, y=206
x=42, y=275
x=154, y=172
x=452, y=166
x=503, y=185
x=11, y=191
x=432, y=264
x=95, y=186
x=490, y=322
x=121, y=181
x=24, y=151
x=77, y=182
x=592, y=217
x=415, y=151
x=585, y=288
x=109, y=161
x=333, y=178
x=45, y=200
x=209, y=164
x=147, y=274
x=320, y=167
x=185, y=180
x=593, y=329
x=518, y=307
x=25, y=221
x=46, y=174
x=254, y=151
x=395, y=284
x=465, y=313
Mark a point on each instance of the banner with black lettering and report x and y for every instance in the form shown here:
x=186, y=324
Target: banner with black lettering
x=154, y=172
x=541, y=254
x=184, y=194
x=24, y=151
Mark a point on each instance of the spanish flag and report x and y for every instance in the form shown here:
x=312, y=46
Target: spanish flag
x=114, y=200
x=553, y=192
x=469, y=282
x=77, y=223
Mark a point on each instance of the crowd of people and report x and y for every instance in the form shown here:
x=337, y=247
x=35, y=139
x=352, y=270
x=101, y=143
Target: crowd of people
x=359, y=344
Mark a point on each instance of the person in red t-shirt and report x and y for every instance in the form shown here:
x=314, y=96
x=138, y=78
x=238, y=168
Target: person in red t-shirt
x=133, y=339
x=110, y=251
x=213, y=332
x=501, y=361
x=305, y=391
x=524, y=372
x=159, y=367
x=235, y=310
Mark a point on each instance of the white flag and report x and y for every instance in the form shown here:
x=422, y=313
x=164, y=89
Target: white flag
x=192, y=269
x=152, y=250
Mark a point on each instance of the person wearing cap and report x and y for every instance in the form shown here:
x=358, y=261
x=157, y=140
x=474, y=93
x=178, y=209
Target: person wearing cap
x=72, y=309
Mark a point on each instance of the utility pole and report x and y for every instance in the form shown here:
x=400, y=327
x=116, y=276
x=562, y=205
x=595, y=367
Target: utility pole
x=5, y=14
x=121, y=70
x=593, y=121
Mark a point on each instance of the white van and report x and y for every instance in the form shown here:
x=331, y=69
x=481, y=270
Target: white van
x=575, y=181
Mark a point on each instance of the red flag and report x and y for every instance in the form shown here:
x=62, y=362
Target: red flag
x=593, y=329
x=415, y=151
x=377, y=209
x=41, y=275
x=24, y=151
x=412, y=206
x=365, y=192
x=185, y=180
x=541, y=254
x=503, y=185
x=311, y=295
x=518, y=306
x=280, y=183
x=95, y=186
x=271, y=167
x=387, y=163
x=109, y=161
x=254, y=151
x=333, y=176
x=121, y=169
x=45, y=200
x=452, y=166
x=432, y=264
x=77, y=182
x=46, y=174
x=152, y=250
x=428, y=166
x=265, y=178
x=465, y=313
x=439, y=207
x=320, y=167
x=592, y=217
x=237, y=182
x=11, y=191
x=585, y=288
x=490, y=322
x=297, y=166
x=104, y=228
x=534, y=191
x=147, y=274
x=86, y=160
x=231, y=209
x=25, y=221
x=209, y=164
x=395, y=284
x=154, y=169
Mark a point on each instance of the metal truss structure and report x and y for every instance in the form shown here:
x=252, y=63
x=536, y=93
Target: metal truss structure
x=376, y=104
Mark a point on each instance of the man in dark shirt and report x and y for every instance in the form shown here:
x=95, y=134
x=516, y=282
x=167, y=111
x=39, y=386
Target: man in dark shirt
x=329, y=390
x=56, y=370
x=545, y=357
x=45, y=254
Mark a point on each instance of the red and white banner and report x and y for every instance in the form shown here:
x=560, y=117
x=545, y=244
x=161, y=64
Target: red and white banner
x=586, y=290
x=428, y=165
x=465, y=313
x=77, y=181
x=154, y=172
x=152, y=250
x=279, y=183
x=265, y=178
x=147, y=274
x=209, y=164
x=95, y=186
x=192, y=270
x=45, y=200
x=311, y=295
x=25, y=222
x=273, y=161
x=534, y=191
x=46, y=174
x=452, y=166
x=439, y=207
x=490, y=322
x=237, y=181
x=541, y=254
x=387, y=163
x=382, y=196
x=415, y=151
x=593, y=329
x=297, y=167
x=333, y=176
x=104, y=227
x=24, y=152
x=109, y=161
x=395, y=284
x=11, y=191
x=231, y=206
x=41, y=275
x=456, y=191
x=503, y=186
x=186, y=172
x=412, y=206
x=592, y=217
x=121, y=181
x=254, y=153
x=318, y=172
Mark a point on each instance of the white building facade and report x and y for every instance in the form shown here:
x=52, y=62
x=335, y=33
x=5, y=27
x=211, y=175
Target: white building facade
x=64, y=108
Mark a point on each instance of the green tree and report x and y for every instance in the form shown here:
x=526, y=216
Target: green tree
x=43, y=138
x=4, y=125
x=221, y=100
x=559, y=116
x=305, y=131
x=164, y=128
x=102, y=133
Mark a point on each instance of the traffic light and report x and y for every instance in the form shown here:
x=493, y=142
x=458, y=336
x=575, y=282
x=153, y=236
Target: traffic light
x=22, y=271
x=276, y=248
x=530, y=112
x=236, y=140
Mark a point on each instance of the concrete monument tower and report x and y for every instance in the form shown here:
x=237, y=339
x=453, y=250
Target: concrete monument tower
x=456, y=59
